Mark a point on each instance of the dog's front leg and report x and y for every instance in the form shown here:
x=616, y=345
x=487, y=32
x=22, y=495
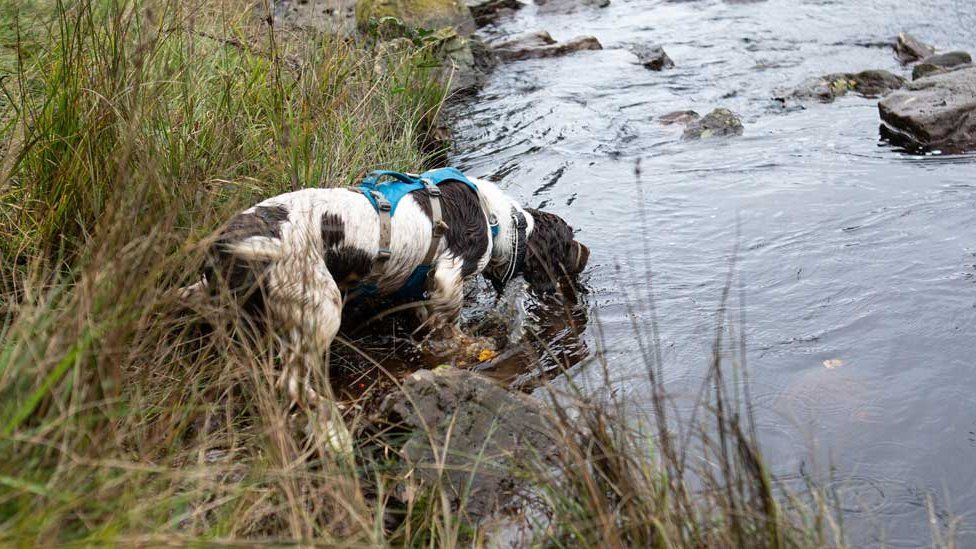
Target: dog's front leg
x=441, y=314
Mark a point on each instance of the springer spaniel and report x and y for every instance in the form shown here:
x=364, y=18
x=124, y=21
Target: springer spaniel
x=296, y=259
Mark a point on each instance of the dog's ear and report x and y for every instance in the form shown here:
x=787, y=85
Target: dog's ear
x=551, y=252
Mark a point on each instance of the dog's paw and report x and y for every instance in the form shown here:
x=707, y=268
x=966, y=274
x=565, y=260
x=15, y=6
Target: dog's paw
x=299, y=388
x=463, y=348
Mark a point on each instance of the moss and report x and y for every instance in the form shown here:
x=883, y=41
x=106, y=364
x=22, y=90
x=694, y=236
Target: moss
x=427, y=14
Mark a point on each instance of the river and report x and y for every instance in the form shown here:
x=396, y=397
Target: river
x=856, y=260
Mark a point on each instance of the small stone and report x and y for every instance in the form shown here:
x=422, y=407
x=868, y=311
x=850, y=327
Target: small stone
x=679, y=117
x=909, y=49
x=940, y=63
x=653, y=57
x=870, y=83
x=718, y=123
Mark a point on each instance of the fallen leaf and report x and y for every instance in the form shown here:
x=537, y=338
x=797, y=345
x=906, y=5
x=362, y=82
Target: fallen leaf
x=486, y=354
x=832, y=363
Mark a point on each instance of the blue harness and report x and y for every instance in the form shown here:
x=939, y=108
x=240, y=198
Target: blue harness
x=384, y=189
x=404, y=184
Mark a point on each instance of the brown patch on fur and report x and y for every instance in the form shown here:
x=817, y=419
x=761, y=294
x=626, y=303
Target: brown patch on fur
x=467, y=228
x=348, y=265
x=551, y=253
x=242, y=278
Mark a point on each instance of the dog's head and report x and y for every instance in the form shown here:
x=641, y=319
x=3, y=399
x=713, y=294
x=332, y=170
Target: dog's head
x=552, y=254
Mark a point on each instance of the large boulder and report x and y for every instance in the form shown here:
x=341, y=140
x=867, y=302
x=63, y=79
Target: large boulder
x=427, y=14
x=935, y=112
x=871, y=83
x=653, y=57
x=909, y=49
x=539, y=44
x=488, y=432
x=465, y=61
x=718, y=123
x=939, y=63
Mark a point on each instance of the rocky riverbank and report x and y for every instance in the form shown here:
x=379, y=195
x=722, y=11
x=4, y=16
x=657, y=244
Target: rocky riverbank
x=923, y=112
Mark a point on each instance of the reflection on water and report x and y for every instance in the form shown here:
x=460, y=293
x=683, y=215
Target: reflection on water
x=852, y=253
x=536, y=337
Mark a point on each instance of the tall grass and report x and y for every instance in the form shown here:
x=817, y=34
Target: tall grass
x=131, y=129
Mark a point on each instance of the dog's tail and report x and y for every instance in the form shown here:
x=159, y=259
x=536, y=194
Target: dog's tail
x=193, y=291
x=256, y=248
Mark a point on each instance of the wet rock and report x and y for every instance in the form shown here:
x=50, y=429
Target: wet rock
x=653, y=57
x=941, y=63
x=539, y=44
x=486, y=12
x=569, y=6
x=871, y=83
x=909, y=49
x=934, y=112
x=487, y=431
x=718, y=123
x=465, y=57
x=465, y=61
x=428, y=14
x=679, y=117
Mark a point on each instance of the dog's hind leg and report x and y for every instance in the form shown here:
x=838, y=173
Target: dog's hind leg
x=306, y=301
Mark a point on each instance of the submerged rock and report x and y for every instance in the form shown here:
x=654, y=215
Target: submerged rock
x=870, y=83
x=428, y=14
x=678, y=117
x=569, y=6
x=934, y=112
x=487, y=431
x=487, y=11
x=718, y=123
x=940, y=63
x=909, y=49
x=539, y=44
x=653, y=57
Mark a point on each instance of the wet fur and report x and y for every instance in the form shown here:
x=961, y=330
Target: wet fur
x=467, y=229
x=551, y=254
x=297, y=256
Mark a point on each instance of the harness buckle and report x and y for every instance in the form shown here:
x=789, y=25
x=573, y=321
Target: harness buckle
x=383, y=254
x=440, y=228
x=432, y=189
x=381, y=202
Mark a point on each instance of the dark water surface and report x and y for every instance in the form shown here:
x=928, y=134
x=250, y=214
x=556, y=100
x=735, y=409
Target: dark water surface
x=850, y=250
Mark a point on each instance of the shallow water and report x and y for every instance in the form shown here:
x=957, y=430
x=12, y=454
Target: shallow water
x=850, y=250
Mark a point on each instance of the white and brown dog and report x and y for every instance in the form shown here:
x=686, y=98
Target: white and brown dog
x=297, y=258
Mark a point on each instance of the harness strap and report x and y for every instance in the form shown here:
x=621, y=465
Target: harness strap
x=437, y=219
x=383, y=252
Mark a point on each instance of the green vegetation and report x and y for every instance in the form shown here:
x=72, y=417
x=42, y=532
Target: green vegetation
x=130, y=130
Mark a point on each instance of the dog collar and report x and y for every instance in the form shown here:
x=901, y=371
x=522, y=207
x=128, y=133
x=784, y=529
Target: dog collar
x=519, y=239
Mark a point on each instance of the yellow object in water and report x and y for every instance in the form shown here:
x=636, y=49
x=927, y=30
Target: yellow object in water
x=486, y=354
